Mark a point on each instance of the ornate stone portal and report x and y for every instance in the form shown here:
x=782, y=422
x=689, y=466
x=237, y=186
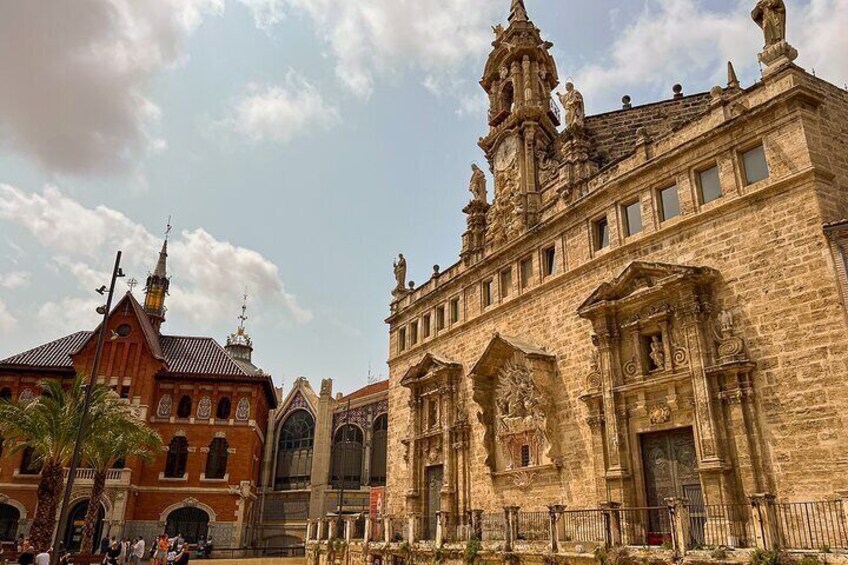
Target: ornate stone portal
x=665, y=361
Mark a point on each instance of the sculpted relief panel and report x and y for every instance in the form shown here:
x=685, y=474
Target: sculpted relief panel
x=520, y=418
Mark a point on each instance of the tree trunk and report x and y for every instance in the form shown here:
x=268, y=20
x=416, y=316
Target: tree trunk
x=49, y=493
x=93, y=512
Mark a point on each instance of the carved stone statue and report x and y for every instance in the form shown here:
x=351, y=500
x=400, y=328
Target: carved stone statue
x=477, y=186
x=770, y=15
x=400, y=274
x=572, y=101
x=726, y=321
x=657, y=355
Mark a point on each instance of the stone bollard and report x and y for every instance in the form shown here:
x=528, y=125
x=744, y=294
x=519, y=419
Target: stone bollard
x=554, y=514
x=765, y=520
x=678, y=510
x=612, y=523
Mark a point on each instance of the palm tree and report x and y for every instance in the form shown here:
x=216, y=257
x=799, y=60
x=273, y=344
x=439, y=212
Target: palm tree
x=116, y=434
x=49, y=426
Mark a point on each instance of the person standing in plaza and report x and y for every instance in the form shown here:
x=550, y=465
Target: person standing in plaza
x=27, y=555
x=43, y=557
x=137, y=554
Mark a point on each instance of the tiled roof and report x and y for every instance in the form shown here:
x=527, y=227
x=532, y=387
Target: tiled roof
x=374, y=388
x=199, y=355
x=55, y=354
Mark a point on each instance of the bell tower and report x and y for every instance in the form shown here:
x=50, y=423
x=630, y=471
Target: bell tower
x=519, y=78
x=157, y=287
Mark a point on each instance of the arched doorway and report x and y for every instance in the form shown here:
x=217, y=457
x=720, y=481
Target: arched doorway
x=191, y=522
x=75, y=523
x=9, y=518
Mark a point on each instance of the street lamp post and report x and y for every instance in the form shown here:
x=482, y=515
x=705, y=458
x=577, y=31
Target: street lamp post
x=92, y=380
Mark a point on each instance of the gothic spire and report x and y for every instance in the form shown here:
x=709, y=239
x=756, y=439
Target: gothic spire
x=239, y=343
x=518, y=12
x=158, y=285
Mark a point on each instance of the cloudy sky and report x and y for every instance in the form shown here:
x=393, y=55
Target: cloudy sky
x=299, y=146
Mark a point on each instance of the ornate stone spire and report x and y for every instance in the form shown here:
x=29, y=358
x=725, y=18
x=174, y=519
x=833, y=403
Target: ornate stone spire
x=157, y=286
x=518, y=12
x=732, y=79
x=239, y=343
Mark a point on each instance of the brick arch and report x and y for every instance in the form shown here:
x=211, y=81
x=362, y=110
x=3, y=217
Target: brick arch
x=213, y=517
x=16, y=504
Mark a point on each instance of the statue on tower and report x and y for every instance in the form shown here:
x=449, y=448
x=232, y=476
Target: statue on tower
x=477, y=186
x=770, y=15
x=572, y=101
x=400, y=276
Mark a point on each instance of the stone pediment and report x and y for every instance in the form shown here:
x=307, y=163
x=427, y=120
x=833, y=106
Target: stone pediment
x=501, y=349
x=640, y=278
x=429, y=366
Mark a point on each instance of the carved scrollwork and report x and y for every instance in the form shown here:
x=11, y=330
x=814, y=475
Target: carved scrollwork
x=631, y=367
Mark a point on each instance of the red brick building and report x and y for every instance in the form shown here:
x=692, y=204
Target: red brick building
x=209, y=403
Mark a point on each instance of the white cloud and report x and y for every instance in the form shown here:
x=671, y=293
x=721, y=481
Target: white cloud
x=684, y=41
x=67, y=315
x=75, y=77
x=280, y=113
x=209, y=274
x=15, y=279
x=7, y=321
x=266, y=13
x=370, y=38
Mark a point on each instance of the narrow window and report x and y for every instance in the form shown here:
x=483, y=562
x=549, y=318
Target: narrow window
x=754, y=163
x=379, y=448
x=402, y=339
x=224, y=408
x=549, y=260
x=125, y=391
x=633, y=218
x=184, y=407
x=454, y=310
x=669, y=203
x=347, y=457
x=601, y=234
x=425, y=326
x=6, y=394
x=487, y=293
x=525, y=455
x=216, y=461
x=30, y=463
x=506, y=282
x=175, y=462
x=413, y=333
x=440, y=318
x=526, y=271
x=709, y=185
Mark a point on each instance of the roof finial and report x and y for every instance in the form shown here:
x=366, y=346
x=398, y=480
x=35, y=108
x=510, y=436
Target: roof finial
x=732, y=80
x=243, y=317
x=518, y=11
x=168, y=228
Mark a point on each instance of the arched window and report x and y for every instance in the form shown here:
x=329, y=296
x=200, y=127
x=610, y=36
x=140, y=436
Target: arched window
x=379, y=444
x=6, y=394
x=347, y=457
x=9, y=517
x=190, y=522
x=224, y=409
x=507, y=97
x=216, y=462
x=30, y=465
x=294, y=452
x=184, y=407
x=175, y=463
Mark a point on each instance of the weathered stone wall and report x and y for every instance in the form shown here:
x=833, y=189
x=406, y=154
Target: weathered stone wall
x=776, y=276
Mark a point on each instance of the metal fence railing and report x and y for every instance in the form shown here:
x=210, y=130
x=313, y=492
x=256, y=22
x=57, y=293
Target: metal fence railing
x=397, y=528
x=649, y=525
x=713, y=525
x=812, y=525
x=583, y=526
x=533, y=526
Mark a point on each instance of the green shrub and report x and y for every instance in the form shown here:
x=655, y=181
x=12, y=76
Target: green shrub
x=472, y=549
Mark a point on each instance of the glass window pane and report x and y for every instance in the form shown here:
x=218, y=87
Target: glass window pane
x=633, y=213
x=756, y=168
x=506, y=282
x=670, y=203
x=601, y=234
x=526, y=272
x=710, y=185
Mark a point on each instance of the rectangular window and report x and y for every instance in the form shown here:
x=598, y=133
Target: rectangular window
x=402, y=339
x=425, y=325
x=413, y=333
x=525, y=455
x=454, y=310
x=440, y=318
x=125, y=391
x=549, y=260
x=506, y=282
x=602, y=234
x=526, y=268
x=709, y=185
x=669, y=203
x=754, y=163
x=487, y=293
x=633, y=218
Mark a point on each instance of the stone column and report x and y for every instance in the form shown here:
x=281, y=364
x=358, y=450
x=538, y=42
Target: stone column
x=554, y=514
x=612, y=523
x=366, y=535
x=412, y=527
x=387, y=529
x=348, y=529
x=511, y=526
x=765, y=520
x=320, y=529
x=309, y=529
x=678, y=511
x=321, y=456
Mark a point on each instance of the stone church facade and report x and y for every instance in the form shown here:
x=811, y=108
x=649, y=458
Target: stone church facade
x=650, y=306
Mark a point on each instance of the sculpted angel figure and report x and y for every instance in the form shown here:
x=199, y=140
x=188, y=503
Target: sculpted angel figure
x=657, y=355
x=477, y=186
x=770, y=15
x=572, y=101
x=400, y=273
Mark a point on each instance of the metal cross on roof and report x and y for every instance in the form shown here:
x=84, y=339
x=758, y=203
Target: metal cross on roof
x=132, y=283
x=243, y=317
